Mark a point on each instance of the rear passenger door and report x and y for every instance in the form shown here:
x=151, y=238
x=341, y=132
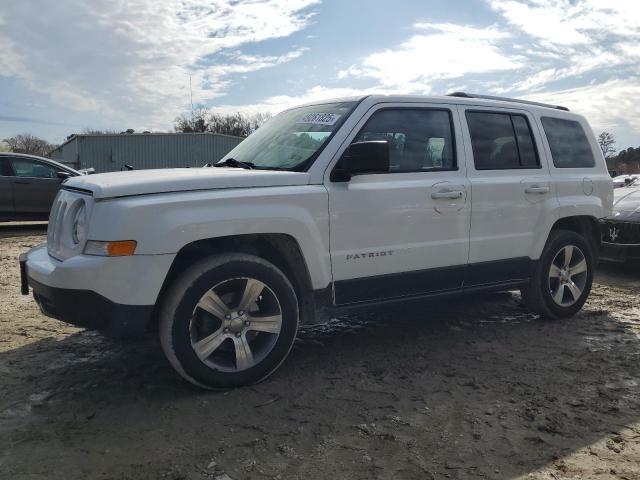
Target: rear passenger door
x=511, y=191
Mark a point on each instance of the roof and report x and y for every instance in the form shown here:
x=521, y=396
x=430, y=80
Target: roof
x=35, y=157
x=127, y=135
x=459, y=98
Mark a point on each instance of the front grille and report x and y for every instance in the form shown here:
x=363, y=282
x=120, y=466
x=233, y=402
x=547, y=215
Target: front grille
x=56, y=224
x=60, y=244
x=623, y=233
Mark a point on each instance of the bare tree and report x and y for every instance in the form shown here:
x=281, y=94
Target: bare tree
x=94, y=131
x=606, y=141
x=237, y=124
x=27, y=143
x=197, y=122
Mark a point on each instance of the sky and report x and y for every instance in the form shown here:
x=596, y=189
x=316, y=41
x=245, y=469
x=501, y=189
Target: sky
x=69, y=65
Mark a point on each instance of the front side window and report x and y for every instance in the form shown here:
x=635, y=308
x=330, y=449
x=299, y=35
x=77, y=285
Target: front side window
x=419, y=139
x=292, y=139
x=568, y=143
x=30, y=168
x=501, y=141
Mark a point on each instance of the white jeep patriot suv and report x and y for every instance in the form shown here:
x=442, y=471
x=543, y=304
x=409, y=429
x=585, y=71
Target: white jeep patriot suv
x=328, y=206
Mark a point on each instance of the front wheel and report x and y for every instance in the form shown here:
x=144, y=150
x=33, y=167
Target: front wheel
x=229, y=320
x=562, y=278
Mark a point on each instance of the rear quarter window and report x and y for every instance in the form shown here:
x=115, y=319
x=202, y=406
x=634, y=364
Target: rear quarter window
x=569, y=145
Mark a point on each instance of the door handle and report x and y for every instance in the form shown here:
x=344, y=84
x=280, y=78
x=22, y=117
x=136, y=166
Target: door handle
x=22, y=182
x=446, y=194
x=537, y=189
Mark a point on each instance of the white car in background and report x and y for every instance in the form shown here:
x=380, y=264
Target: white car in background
x=624, y=180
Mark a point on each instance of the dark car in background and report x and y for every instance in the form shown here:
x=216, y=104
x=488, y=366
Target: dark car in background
x=28, y=185
x=621, y=230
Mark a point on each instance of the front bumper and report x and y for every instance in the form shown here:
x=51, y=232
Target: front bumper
x=89, y=291
x=613, y=252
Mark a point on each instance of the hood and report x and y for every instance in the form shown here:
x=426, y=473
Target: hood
x=626, y=204
x=141, y=182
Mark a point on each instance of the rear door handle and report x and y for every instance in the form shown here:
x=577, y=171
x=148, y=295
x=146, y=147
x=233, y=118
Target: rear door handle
x=537, y=189
x=446, y=194
x=22, y=182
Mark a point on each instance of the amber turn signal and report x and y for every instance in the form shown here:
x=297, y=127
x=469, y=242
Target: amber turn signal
x=120, y=248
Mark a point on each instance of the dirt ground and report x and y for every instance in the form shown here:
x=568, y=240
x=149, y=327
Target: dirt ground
x=464, y=389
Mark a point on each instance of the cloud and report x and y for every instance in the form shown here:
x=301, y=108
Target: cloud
x=610, y=105
x=132, y=59
x=277, y=103
x=443, y=51
x=574, y=37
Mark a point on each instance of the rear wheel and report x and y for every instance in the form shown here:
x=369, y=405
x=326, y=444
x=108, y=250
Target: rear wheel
x=229, y=320
x=562, y=278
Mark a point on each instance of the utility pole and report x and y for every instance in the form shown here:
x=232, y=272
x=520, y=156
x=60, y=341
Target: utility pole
x=191, y=94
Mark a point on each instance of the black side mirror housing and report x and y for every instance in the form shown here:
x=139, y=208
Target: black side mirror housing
x=360, y=158
x=62, y=175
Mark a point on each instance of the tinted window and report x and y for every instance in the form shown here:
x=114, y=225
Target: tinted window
x=501, y=141
x=526, y=148
x=419, y=140
x=568, y=143
x=5, y=168
x=29, y=168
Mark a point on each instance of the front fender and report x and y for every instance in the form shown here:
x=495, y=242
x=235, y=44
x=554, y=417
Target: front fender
x=164, y=223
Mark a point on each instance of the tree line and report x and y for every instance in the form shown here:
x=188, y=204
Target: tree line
x=201, y=120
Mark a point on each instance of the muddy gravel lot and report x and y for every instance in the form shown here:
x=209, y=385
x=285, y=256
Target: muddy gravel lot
x=461, y=389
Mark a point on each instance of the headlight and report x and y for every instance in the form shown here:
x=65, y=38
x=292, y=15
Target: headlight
x=79, y=225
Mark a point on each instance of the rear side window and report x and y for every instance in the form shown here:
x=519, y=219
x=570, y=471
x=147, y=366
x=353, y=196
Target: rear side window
x=501, y=141
x=568, y=143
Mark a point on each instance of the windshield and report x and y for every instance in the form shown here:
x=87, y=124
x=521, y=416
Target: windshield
x=292, y=139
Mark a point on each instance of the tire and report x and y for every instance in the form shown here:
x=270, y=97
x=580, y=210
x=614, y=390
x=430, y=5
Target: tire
x=552, y=289
x=212, y=330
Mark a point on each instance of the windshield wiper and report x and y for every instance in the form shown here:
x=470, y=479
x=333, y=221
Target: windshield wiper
x=232, y=162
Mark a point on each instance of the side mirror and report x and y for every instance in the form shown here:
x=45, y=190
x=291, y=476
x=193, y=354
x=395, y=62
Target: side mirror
x=63, y=175
x=360, y=158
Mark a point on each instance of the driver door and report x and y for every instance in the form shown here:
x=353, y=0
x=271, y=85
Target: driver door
x=405, y=232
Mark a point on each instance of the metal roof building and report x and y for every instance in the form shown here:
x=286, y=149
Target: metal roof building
x=108, y=153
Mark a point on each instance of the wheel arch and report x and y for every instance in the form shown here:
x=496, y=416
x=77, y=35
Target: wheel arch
x=584, y=225
x=282, y=250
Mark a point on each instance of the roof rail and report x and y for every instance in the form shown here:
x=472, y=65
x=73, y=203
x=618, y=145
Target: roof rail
x=505, y=99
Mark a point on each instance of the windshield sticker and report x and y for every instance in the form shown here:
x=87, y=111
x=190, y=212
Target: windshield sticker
x=320, y=118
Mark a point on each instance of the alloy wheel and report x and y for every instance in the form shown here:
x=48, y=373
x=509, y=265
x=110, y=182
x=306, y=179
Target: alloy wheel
x=568, y=275
x=235, y=324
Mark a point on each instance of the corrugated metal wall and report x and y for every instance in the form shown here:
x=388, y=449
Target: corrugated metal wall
x=107, y=153
x=67, y=153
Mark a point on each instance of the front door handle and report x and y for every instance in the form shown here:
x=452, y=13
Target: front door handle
x=446, y=194
x=22, y=182
x=537, y=189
